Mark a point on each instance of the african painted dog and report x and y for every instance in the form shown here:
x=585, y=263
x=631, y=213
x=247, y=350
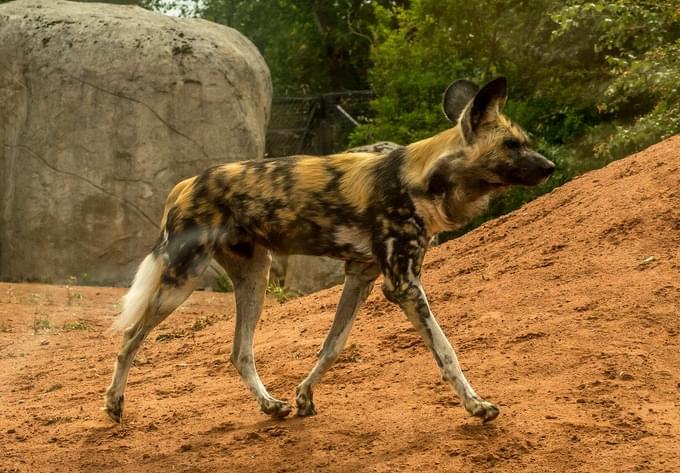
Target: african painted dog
x=376, y=211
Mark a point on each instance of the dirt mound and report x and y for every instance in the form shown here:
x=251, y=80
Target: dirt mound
x=565, y=313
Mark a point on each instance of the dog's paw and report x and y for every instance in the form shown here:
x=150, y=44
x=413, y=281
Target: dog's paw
x=277, y=409
x=484, y=410
x=114, y=408
x=306, y=409
x=305, y=404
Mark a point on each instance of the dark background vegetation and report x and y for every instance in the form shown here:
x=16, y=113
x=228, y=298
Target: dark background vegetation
x=591, y=81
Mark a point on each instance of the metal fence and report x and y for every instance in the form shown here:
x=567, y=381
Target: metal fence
x=318, y=124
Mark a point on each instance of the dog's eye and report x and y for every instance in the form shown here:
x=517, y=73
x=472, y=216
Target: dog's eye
x=512, y=143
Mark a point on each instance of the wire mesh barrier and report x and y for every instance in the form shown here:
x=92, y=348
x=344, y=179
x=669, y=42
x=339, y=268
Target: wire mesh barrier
x=318, y=124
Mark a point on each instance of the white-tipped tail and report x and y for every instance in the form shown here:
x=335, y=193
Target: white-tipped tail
x=138, y=298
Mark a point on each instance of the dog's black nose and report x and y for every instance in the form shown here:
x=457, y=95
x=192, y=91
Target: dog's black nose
x=548, y=167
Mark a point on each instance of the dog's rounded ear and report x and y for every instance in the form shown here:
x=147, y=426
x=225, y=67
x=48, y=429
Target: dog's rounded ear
x=486, y=106
x=456, y=97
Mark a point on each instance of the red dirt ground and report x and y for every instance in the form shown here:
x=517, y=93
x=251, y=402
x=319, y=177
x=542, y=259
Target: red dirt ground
x=565, y=313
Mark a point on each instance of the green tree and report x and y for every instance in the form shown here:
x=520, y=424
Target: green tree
x=640, y=44
x=310, y=46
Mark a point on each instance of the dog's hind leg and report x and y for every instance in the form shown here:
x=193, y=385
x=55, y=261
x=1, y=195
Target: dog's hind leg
x=166, y=301
x=359, y=278
x=157, y=291
x=248, y=269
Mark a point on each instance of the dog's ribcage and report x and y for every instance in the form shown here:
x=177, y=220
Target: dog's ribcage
x=335, y=206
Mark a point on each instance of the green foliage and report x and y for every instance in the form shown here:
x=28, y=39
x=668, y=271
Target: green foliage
x=42, y=324
x=202, y=322
x=310, y=47
x=77, y=325
x=222, y=283
x=280, y=293
x=640, y=42
x=72, y=297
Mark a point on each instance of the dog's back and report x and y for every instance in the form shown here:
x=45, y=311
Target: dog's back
x=302, y=204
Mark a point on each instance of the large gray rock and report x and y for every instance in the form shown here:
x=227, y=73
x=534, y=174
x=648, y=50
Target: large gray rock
x=305, y=274
x=103, y=109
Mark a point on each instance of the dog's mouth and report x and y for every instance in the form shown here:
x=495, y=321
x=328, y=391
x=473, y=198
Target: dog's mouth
x=496, y=186
x=543, y=181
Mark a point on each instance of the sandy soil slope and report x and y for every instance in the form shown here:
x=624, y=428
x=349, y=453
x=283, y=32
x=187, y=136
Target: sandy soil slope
x=566, y=313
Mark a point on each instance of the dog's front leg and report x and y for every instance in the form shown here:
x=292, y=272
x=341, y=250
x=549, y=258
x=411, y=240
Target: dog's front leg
x=402, y=286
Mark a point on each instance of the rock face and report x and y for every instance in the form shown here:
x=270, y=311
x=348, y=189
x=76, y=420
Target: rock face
x=306, y=274
x=103, y=109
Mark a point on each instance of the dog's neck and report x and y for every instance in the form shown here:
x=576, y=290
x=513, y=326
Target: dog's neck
x=453, y=209
x=423, y=155
x=465, y=196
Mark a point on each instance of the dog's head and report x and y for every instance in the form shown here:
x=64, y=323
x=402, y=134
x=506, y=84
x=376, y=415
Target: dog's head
x=499, y=151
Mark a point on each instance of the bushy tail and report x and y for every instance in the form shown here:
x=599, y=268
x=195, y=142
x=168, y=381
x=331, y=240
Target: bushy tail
x=137, y=300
